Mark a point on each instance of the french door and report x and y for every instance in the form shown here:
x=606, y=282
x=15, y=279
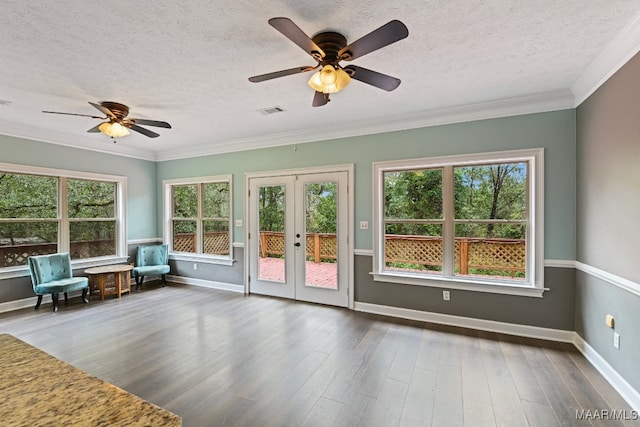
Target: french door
x=298, y=237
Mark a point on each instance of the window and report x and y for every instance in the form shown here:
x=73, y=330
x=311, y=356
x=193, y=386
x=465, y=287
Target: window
x=45, y=211
x=198, y=218
x=469, y=222
x=91, y=208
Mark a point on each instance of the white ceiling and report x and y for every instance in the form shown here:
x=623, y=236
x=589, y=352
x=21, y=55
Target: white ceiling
x=188, y=63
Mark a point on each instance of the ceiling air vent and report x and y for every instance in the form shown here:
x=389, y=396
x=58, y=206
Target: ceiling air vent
x=272, y=110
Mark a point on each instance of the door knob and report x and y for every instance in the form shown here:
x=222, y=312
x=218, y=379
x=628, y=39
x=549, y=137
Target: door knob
x=296, y=244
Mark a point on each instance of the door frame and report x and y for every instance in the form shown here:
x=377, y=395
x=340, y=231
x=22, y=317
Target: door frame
x=349, y=169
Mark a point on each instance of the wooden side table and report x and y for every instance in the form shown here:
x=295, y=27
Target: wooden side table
x=98, y=279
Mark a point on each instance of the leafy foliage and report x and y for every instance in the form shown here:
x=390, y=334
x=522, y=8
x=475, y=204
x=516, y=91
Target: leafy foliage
x=35, y=197
x=271, y=202
x=321, y=207
x=488, y=192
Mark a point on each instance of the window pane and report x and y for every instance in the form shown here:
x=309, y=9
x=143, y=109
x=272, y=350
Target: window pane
x=491, y=192
x=482, y=256
x=185, y=201
x=91, y=199
x=92, y=238
x=216, y=237
x=216, y=200
x=413, y=194
x=413, y=247
x=28, y=196
x=184, y=236
x=20, y=240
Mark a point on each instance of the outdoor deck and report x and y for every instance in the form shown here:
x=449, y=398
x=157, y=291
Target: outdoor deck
x=319, y=274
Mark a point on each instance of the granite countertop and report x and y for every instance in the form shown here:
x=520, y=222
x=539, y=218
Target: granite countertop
x=36, y=389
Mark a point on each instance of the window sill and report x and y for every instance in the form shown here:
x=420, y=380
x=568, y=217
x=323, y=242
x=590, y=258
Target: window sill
x=461, y=284
x=205, y=259
x=23, y=270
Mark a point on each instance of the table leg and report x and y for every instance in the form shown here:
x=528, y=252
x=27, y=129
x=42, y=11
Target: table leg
x=101, y=285
x=118, y=277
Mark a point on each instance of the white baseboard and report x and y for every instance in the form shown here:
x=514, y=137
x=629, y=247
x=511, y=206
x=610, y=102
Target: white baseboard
x=206, y=283
x=468, y=322
x=628, y=393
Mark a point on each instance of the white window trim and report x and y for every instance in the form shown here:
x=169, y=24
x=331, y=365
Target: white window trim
x=168, y=184
x=535, y=226
x=121, y=219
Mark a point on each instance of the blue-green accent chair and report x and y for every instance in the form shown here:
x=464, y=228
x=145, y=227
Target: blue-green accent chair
x=151, y=260
x=52, y=274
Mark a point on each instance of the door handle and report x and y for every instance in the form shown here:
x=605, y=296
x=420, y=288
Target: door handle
x=296, y=244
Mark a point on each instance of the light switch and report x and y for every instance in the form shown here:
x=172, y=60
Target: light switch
x=364, y=225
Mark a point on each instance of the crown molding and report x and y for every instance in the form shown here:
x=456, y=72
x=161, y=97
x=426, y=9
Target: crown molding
x=538, y=103
x=617, y=53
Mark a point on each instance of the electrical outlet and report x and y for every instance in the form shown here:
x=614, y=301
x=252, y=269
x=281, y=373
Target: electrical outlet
x=446, y=295
x=616, y=340
x=195, y=266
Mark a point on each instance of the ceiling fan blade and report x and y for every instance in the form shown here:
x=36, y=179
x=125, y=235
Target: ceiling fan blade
x=296, y=35
x=373, y=78
x=389, y=33
x=74, y=114
x=150, y=123
x=140, y=129
x=95, y=129
x=282, y=73
x=320, y=99
x=103, y=109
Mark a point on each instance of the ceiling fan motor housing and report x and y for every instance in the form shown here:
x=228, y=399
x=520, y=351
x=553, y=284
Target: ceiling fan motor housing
x=119, y=110
x=331, y=43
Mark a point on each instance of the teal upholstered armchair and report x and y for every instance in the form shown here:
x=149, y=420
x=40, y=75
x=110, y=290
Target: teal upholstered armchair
x=151, y=260
x=52, y=274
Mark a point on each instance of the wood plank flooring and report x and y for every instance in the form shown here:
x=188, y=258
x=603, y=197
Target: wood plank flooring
x=224, y=359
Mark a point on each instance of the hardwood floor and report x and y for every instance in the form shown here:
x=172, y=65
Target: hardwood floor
x=224, y=359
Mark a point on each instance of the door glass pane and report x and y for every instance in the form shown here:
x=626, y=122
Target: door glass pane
x=321, y=217
x=271, y=217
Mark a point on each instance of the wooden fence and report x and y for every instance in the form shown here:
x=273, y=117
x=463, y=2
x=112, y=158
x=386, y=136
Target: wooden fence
x=487, y=254
x=17, y=255
x=216, y=243
x=319, y=245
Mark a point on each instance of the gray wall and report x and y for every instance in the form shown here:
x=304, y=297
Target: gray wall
x=608, y=217
x=554, y=310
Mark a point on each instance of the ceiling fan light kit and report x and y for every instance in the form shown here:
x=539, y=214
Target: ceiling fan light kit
x=113, y=130
x=329, y=49
x=329, y=79
x=117, y=124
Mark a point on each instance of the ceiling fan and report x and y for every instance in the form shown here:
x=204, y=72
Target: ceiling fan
x=117, y=124
x=329, y=49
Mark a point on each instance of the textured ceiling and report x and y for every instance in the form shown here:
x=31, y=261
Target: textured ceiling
x=188, y=63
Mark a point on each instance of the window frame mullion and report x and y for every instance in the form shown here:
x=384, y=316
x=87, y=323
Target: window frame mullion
x=448, y=228
x=200, y=221
x=64, y=239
